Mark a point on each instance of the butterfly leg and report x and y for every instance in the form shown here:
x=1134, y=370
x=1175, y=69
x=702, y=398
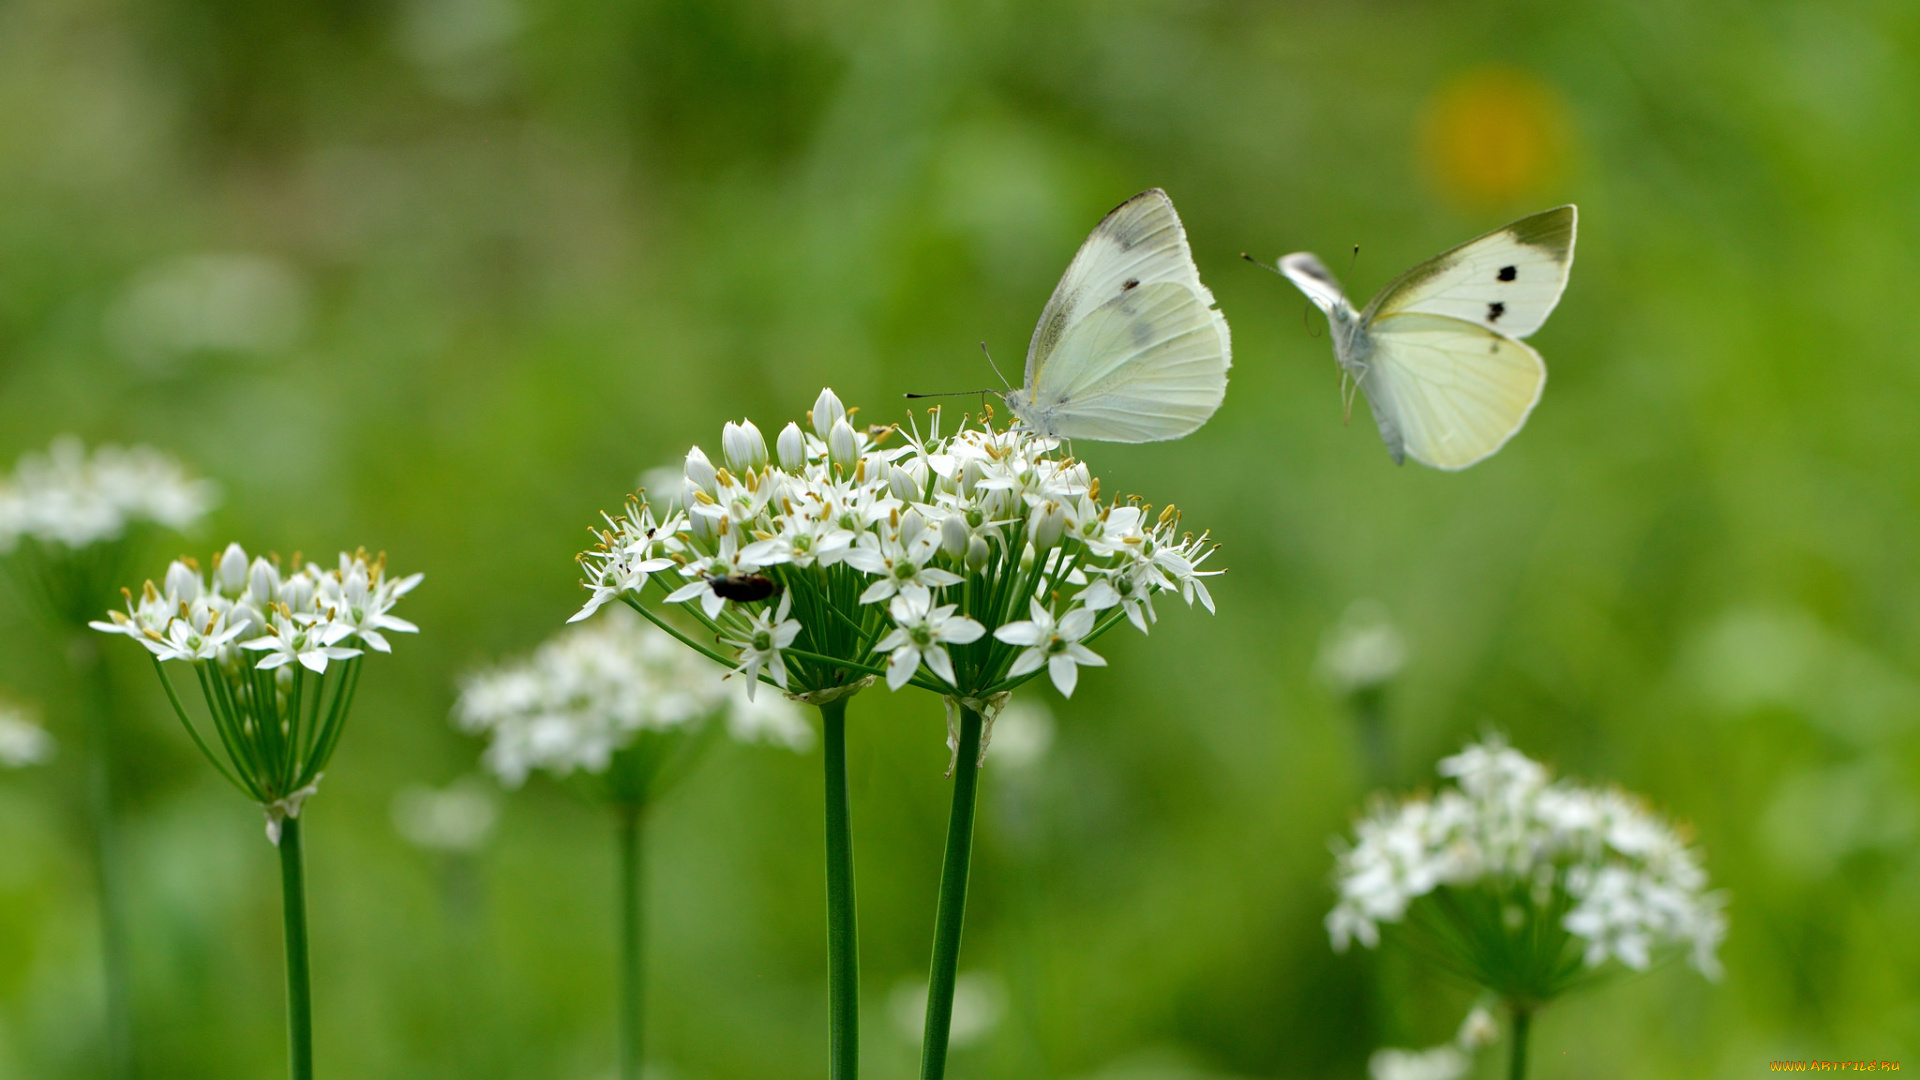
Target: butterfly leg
x=1349, y=389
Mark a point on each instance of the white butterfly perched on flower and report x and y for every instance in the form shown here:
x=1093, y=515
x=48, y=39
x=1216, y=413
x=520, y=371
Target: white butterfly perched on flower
x=1438, y=352
x=1130, y=347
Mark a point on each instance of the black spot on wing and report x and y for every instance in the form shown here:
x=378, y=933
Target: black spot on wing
x=1495, y=310
x=1130, y=283
x=1508, y=273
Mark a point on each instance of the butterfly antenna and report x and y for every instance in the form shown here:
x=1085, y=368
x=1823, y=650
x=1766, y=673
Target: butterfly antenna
x=1355, y=261
x=1261, y=265
x=994, y=366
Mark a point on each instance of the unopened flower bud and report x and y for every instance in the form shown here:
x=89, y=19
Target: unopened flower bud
x=297, y=593
x=842, y=445
x=263, y=583
x=703, y=523
x=970, y=474
x=231, y=574
x=700, y=471
x=743, y=447
x=954, y=535
x=1047, y=524
x=183, y=584
x=827, y=411
x=911, y=526
x=1027, y=555
x=792, y=447
x=978, y=554
x=903, y=485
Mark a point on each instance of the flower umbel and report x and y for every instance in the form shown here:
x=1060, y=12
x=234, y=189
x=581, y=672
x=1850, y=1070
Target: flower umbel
x=962, y=563
x=1524, y=884
x=72, y=498
x=276, y=650
x=68, y=519
x=595, y=690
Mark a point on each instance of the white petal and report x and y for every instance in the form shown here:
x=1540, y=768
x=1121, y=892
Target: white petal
x=1030, y=660
x=1021, y=633
x=1065, y=673
x=941, y=664
x=901, y=666
x=962, y=631
x=1077, y=623
x=687, y=592
x=1080, y=654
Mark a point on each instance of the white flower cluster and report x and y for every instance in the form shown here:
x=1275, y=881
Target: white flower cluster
x=594, y=689
x=1634, y=886
x=834, y=545
x=71, y=498
x=22, y=741
x=301, y=614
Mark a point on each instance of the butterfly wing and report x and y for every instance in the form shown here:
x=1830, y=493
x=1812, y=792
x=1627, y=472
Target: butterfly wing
x=1448, y=392
x=1312, y=277
x=1129, y=319
x=1147, y=365
x=1508, y=280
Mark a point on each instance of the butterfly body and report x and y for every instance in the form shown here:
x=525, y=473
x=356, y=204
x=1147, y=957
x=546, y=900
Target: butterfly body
x=1438, y=353
x=1129, y=347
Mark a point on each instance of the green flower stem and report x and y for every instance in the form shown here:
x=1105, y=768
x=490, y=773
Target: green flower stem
x=293, y=887
x=953, y=899
x=97, y=692
x=632, y=978
x=843, y=935
x=1522, y=1027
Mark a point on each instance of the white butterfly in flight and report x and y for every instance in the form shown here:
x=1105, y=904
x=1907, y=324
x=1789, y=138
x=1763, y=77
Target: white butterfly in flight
x=1438, y=352
x=1130, y=347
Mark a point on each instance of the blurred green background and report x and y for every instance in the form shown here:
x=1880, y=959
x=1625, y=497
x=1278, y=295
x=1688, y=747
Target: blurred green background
x=441, y=277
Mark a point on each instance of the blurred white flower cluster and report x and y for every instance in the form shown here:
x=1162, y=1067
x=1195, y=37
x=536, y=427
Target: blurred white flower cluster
x=456, y=819
x=69, y=497
x=23, y=741
x=592, y=691
x=1363, y=650
x=962, y=563
x=300, y=614
x=1448, y=1061
x=1627, y=883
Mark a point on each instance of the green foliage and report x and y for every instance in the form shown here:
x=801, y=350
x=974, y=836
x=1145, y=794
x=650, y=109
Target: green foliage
x=540, y=246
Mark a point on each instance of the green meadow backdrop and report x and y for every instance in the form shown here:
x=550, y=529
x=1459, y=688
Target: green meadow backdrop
x=443, y=277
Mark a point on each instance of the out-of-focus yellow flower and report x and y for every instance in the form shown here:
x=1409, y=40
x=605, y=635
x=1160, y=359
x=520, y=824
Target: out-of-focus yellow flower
x=1493, y=136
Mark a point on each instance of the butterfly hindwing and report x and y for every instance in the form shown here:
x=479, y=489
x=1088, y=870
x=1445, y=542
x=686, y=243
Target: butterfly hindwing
x=1147, y=365
x=1451, y=391
x=1508, y=280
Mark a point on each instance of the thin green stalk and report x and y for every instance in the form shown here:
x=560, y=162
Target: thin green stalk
x=843, y=935
x=632, y=977
x=953, y=899
x=293, y=888
x=97, y=692
x=1522, y=1027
